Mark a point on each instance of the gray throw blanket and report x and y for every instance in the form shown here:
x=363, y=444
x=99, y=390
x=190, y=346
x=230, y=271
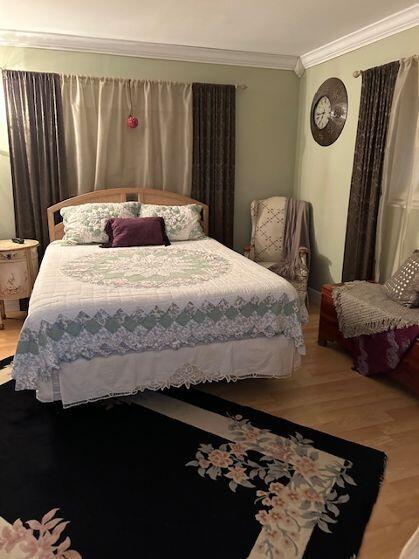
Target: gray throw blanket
x=364, y=308
x=296, y=236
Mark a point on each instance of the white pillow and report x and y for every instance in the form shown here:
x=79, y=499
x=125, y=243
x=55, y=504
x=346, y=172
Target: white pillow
x=85, y=224
x=182, y=222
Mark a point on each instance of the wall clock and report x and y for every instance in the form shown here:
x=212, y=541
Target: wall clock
x=328, y=111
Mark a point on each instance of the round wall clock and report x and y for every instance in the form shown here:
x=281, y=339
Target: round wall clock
x=328, y=111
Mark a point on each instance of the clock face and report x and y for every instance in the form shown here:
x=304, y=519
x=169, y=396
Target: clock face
x=328, y=111
x=322, y=112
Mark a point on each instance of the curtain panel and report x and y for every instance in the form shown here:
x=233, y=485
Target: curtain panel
x=102, y=151
x=398, y=216
x=213, y=164
x=37, y=149
x=375, y=106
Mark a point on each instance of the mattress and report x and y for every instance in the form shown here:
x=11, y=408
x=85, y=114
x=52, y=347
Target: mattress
x=90, y=303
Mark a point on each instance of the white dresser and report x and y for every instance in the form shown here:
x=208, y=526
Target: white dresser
x=18, y=270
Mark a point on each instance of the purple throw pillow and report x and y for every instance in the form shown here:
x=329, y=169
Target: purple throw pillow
x=136, y=232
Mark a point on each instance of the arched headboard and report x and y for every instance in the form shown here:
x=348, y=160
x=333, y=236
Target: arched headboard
x=143, y=195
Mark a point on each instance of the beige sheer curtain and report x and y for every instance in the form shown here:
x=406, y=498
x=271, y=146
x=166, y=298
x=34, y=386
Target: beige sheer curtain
x=398, y=217
x=103, y=152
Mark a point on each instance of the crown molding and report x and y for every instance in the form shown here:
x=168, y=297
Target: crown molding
x=390, y=25
x=140, y=49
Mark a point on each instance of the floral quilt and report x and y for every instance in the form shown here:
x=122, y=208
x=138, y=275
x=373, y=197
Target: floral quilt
x=88, y=302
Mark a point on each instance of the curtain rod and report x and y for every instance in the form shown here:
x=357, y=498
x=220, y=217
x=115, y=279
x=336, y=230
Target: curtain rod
x=236, y=85
x=358, y=73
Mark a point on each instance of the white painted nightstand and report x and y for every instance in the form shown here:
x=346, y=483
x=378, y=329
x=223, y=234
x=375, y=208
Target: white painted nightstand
x=18, y=270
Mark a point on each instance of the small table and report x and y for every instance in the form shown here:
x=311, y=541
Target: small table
x=18, y=270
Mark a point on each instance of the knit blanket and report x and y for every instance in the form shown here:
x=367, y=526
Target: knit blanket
x=363, y=308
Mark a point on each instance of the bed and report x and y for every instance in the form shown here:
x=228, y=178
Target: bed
x=107, y=322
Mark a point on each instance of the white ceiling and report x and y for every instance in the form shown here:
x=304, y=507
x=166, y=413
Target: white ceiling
x=272, y=26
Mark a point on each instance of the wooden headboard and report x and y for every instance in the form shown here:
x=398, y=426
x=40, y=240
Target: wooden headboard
x=143, y=195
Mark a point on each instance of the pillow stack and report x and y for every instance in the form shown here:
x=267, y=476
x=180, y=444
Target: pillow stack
x=131, y=224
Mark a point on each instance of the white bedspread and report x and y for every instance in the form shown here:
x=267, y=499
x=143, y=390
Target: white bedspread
x=90, y=302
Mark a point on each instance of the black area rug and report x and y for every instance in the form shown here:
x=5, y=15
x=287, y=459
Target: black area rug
x=179, y=474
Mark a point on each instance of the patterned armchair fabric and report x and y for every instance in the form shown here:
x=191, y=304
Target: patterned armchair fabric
x=267, y=241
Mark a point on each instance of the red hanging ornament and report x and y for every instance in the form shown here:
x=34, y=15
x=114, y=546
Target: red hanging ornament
x=132, y=121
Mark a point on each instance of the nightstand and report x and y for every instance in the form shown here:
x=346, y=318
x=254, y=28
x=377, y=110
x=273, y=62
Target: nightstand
x=18, y=270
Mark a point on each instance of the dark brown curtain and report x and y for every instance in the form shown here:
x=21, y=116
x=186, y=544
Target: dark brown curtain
x=376, y=98
x=37, y=155
x=213, y=160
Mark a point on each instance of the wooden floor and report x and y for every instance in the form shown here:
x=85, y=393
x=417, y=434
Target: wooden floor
x=326, y=394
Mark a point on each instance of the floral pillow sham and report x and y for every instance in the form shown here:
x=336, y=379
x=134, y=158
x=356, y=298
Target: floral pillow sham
x=85, y=224
x=183, y=223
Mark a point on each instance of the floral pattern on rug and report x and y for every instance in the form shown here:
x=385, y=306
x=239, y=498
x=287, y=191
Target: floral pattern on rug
x=148, y=267
x=37, y=540
x=294, y=486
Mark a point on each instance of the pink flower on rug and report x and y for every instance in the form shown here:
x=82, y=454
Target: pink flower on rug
x=220, y=458
x=263, y=517
x=271, y=532
x=305, y=466
x=203, y=463
x=265, y=497
x=237, y=474
x=293, y=496
x=276, y=515
x=251, y=434
x=12, y=535
x=42, y=546
x=278, y=502
x=312, y=495
x=277, y=488
x=278, y=450
x=239, y=450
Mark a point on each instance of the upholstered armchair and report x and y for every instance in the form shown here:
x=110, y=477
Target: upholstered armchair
x=272, y=239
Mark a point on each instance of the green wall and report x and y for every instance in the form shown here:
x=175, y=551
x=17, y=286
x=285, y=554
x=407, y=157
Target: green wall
x=323, y=174
x=266, y=119
x=276, y=153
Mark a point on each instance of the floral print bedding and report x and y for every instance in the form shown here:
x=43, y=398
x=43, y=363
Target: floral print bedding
x=88, y=302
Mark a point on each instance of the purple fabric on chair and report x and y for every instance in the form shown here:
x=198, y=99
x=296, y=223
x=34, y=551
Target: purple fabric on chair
x=136, y=231
x=382, y=352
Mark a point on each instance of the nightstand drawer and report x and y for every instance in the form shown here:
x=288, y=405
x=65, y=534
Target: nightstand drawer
x=18, y=270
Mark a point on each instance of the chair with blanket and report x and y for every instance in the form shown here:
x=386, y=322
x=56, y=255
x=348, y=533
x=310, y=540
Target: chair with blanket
x=280, y=239
x=378, y=324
